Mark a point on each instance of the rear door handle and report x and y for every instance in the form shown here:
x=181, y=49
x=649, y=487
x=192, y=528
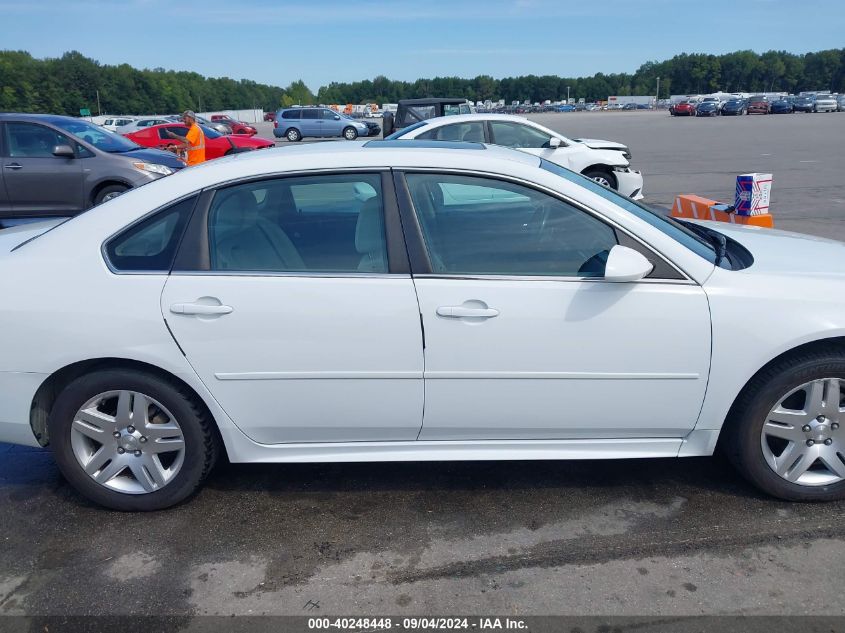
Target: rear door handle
x=200, y=309
x=14, y=166
x=462, y=312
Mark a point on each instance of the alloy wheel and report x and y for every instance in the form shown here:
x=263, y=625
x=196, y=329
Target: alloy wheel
x=801, y=437
x=128, y=442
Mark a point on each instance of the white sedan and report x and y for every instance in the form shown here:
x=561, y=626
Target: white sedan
x=392, y=301
x=606, y=162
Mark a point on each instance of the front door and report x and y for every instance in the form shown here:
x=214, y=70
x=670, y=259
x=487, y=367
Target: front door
x=295, y=322
x=38, y=183
x=310, y=124
x=525, y=340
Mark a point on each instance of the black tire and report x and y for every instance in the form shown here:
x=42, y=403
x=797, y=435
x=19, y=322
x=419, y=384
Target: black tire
x=741, y=437
x=595, y=173
x=350, y=133
x=293, y=135
x=202, y=446
x=109, y=191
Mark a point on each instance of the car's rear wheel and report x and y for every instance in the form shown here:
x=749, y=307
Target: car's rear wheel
x=603, y=177
x=108, y=192
x=350, y=133
x=293, y=135
x=130, y=440
x=786, y=432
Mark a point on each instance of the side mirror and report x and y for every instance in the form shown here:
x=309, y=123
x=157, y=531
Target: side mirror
x=626, y=264
x=554, y=142
x=64, y=151
x=337, y=117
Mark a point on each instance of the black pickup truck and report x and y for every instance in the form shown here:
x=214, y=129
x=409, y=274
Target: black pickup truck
x=412, y=111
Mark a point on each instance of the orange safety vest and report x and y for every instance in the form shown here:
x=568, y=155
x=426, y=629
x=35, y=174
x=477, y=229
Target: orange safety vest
x=196, y=145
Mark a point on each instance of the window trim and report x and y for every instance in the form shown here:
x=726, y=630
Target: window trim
x=418, y=250
x=6, y=145
x=193, y=255
x=144, y=218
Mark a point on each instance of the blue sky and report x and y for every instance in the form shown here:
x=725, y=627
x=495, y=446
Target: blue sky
x=344, y=40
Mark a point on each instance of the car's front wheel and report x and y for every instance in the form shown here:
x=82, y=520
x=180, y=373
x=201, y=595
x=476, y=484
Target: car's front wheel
x=108, y=192
x=131, y=441
x=293, y=135
x=786, y=433
x=350, y=133
x=603, y=177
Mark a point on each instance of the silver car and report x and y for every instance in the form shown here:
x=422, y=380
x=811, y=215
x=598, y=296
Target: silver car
x=825, y=103
x=58, y=166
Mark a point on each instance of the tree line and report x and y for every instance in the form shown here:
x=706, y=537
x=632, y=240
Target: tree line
x=65, y=85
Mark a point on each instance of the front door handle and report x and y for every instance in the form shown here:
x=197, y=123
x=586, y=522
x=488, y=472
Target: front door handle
x=14, y=166
x=463, y=312
x=200, y=309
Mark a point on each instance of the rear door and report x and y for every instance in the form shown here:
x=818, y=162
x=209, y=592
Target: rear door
x=38, y=183
x=302, y=318
x=5, y=203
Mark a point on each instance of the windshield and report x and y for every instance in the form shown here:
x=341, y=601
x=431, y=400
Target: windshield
x=399, y=133
x=99, y=137
x=667, y=225
x=210, y=133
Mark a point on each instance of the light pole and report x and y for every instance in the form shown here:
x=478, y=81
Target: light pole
x=657, y=95
x=567, y=95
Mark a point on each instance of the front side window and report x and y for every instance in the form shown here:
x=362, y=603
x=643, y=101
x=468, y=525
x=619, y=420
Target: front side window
x=328, y=114
x=30, y=140
x=468, y=132
x=150, y=245
x=517, y=135
x=100, y=138
x=484, y=226
x=326, y=223
x=179, y=130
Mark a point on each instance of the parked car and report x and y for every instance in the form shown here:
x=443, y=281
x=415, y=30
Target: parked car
x=216, y=145
x=759, y=104
x=294, y=124
x=707, y=108
x=825, y=103
x=219, y=126
x=605, y=162
x=227, y=314
x=270, y=116
x=734, y=107
x=803, y=103
x=840, y=103
x=60, y=166
x=565, y=108
x=782, y=105
x=684, y=108
x=237, y=127
x=410, y=111
x=141, y=123
x=629, y=106
x=112, y=123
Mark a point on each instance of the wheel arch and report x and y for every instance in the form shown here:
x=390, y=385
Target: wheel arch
x=48, y=391
x=96, y=189
x=819, y=345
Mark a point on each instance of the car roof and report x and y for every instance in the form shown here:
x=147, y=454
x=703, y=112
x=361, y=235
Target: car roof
x=48, y=118
x=462, y=118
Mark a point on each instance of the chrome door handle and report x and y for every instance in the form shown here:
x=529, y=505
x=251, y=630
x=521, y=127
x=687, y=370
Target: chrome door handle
x=462, y=312
x=199, y=308
x=14, y=166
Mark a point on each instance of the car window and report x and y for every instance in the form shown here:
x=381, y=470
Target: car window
x=485, y=226
x=150, y=245
x=326, y=223
x=470, y=132
x=517, y=135
x=328, y=114
x=291, y=114
x=30, y=140
x=102, y=139
x=178, y=130
x=310, y=114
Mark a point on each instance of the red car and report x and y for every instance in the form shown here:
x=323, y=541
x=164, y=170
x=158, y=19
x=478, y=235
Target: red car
x=270, y=116
x=216, y=144
x=238, y=127
x=759, y=104
x=684, y=108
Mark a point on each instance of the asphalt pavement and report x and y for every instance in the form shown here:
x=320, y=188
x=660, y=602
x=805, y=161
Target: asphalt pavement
x=662, y=538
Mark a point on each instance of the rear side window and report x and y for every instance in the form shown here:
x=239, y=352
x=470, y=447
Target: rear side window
x=150, y=245
x=310, y=114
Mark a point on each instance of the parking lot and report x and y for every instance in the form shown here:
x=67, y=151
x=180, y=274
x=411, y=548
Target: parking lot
x=657, y=537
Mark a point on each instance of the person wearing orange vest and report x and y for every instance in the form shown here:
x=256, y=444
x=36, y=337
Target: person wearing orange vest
x=194, y=140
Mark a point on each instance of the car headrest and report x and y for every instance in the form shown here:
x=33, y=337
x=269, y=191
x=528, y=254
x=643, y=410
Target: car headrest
x=369, y=231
